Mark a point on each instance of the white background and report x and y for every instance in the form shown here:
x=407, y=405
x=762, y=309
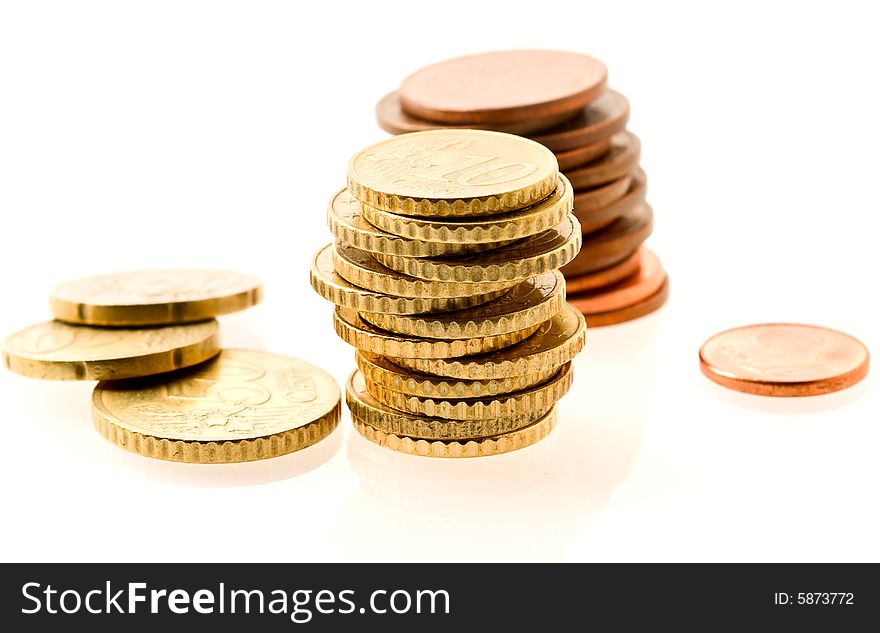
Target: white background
x=153, y=134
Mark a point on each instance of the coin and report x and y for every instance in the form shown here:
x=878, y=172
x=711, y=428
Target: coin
x=634, y=311
x=452, y=173
x=630, y=291
x=597, y=120
x=503, y=86
x=482, y=447
x=538, y=398
x=597, y=219
x=555, y=343
x=569, y=159
x=347, y=224
x=365, y=407
x=380, y=370
x=352, y=329
x=494, y=229
x=549, y=250
x=784, y=359
x=335, y=288
x=606, y=276
x=362, y=269
x=621, y=160
x=528, y=304
x=155, y=297
x=612, y=244
x=55, y=350
x=241, y=406
x=587, y=200
x=392, y=118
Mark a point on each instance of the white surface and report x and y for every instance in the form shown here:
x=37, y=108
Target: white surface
x=154, y=134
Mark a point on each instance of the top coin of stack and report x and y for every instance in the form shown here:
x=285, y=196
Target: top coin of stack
x=444, y=274
x=561, y=100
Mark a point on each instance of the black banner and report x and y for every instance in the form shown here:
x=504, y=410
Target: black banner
x=286, y=597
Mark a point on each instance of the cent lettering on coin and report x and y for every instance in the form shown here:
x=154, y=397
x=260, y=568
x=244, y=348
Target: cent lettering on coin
x=62, y=351
x=242, y=406
x=154, y=297
x=784, y=359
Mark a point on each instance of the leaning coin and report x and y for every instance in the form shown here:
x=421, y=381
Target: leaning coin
x=156, y=297
x=62, y=351
x=633, y=311
x=622, y=159
x=572, y=158
x=606, y=276
x=636, y=288
x=590, y=200
x=596, y=219
x=613, y=243
x=597, y=120
x=242, y=406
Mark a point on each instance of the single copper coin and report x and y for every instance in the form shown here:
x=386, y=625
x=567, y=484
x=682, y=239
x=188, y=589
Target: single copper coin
x=392, y=118
x=596, y=219
x=620, y=161
x=598, y=119
x=588, y=200
x=503, y=86
x=632, y=290
x=628, y=313
x=606, y=276
x=612, y=244
x=784, y=359
x=569, y=159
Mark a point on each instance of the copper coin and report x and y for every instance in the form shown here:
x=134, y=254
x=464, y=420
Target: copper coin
x=578, y=156
x=612, y=244
x=634, y=289
x=503, y=86
x=598, y=119
x=588, y=200
x=593, y=220
x=605, y=277
x=621, y=159
x=394, y=120
x=634, y=311
x=784, y=359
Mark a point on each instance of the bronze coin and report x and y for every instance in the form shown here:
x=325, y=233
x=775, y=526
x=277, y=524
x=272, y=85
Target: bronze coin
x=612, y=244
x=503, y=86
x=630, y=291
x=588, y=200
x=394, y=120
x=593, y=220
x=622, y=159
x=605, y=277
x=784, y=359
x=598, y=119
x=634, y=311
x=582, y=155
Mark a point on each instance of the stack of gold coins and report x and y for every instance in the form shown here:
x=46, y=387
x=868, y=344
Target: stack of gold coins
x=444, y=272
x=167, y=389
x=559, y=99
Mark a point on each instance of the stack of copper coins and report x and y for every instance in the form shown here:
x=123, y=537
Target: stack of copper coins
x=559, y=99
x=445, y=277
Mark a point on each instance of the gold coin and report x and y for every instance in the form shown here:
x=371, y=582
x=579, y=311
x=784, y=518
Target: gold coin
x=362, y=269
x=483, y=447
x=242, y=406
x=540, y=397
x=489, y=229
x=333, y=287
x=381, y=371
x=366, y=407
x=156, y=297
x=452, y=173
x=528, y=304
x=352, y=329
x=63, y=351
x=532, y=256
x=555, y=343
x=346, y=222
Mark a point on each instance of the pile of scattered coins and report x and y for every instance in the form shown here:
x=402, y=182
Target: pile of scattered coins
x=168, y=390
x=444, y=272
x=559, y=99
